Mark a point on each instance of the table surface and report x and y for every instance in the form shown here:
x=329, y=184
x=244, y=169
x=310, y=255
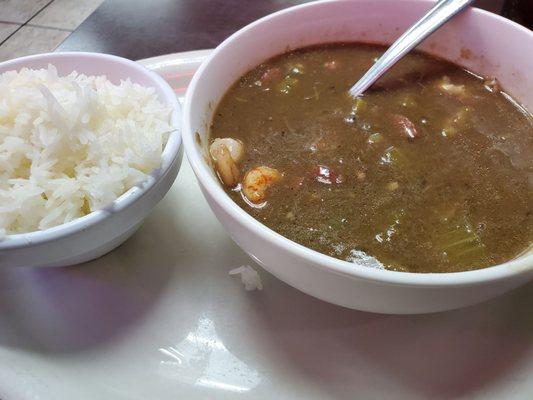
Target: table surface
x=139, y=29
x=160, y=318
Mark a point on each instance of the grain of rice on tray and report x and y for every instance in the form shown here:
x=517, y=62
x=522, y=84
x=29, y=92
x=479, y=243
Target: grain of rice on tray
x=73, y=144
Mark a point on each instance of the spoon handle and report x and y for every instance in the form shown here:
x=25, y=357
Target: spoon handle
x=443, y=11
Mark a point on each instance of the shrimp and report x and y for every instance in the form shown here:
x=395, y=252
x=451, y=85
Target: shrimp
x=235, y=147
x=257, y=181
x=226, y=153
x=446, y=86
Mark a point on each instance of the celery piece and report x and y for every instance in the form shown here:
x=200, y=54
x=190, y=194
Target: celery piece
x=335, y=223
x=360, y=106
x=393, y=225
x=394, y=157
x=448, y=132
x=392, y=186
x=461, y=244
x=359, y=110
x=287, y=84
x=375, y=138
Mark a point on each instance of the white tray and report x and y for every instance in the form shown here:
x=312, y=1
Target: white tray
x=159, y=318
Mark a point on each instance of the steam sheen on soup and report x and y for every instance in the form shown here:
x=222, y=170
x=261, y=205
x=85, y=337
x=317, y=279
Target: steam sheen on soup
x=429, y=171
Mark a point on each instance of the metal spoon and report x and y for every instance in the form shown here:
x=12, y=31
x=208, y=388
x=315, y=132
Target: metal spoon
x=443, y=11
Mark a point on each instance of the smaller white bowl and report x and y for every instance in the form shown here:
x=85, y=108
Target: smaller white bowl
x=99, y=232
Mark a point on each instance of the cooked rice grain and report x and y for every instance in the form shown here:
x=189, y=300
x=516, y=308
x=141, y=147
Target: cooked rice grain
x=71, y=145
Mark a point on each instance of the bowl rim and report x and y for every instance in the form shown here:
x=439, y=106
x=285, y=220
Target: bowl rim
x=315, y=259
x=169, y=155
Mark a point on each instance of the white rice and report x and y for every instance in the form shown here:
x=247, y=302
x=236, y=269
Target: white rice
x=71, y=145
x=249, y=277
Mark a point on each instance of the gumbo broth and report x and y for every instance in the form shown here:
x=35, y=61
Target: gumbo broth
x=429, y=171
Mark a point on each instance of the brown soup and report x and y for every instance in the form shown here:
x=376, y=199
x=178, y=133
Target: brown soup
x=429, y=171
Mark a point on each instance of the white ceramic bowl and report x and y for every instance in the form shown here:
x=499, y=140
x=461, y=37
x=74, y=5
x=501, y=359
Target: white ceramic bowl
x=478, y=40
x=101, y=231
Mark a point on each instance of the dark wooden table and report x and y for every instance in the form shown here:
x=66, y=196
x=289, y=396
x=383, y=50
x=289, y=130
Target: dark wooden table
x=138, y=29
